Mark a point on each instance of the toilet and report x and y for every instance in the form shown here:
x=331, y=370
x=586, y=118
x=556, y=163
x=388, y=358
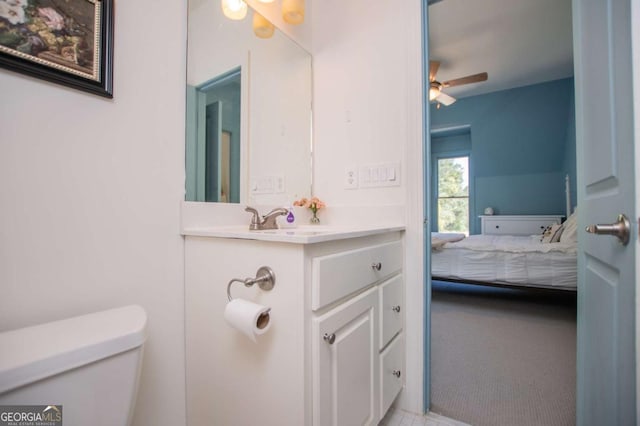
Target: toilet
x=89, y=364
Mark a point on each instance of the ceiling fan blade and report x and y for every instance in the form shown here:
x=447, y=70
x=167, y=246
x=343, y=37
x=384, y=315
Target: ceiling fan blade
x=433, y=69
x=445, y=99
x=475, y=78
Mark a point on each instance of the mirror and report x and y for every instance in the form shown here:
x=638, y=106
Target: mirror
x=248, y=119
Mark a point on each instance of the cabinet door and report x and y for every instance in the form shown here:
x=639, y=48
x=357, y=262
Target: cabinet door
x=345, y=364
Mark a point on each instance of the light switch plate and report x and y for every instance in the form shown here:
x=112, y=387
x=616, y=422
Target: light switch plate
x=380, y=175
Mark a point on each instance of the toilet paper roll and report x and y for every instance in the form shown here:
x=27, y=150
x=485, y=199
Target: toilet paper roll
x=248, y=317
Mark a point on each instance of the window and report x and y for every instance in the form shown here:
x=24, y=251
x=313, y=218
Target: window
x=453, y=194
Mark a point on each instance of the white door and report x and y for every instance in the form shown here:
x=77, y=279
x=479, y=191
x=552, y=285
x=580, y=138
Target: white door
x=606, y=391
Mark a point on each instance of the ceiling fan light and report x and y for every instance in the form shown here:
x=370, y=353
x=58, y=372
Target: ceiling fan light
x=234, y=9
x=434, y=92
x=293, y=11
x=261, y=26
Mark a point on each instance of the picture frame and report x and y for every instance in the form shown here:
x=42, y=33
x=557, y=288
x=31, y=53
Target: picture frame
x=68, y=42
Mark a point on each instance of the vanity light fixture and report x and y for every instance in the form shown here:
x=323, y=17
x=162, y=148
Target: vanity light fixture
x=293, y=11
x=234, y=9
x=261, y=26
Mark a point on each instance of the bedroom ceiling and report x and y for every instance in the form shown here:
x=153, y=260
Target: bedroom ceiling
x=517, y=42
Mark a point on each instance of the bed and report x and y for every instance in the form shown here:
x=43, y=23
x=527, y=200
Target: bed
x=508, y=260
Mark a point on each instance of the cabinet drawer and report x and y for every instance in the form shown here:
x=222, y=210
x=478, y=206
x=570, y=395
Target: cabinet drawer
x=519, y=226
x=391, y=373
x=337, y=275
x=391, y=309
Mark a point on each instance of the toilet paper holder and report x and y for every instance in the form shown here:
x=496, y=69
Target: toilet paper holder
x=265, y=278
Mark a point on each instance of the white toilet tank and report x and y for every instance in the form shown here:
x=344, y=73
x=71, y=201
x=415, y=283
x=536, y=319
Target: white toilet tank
x=88, y=364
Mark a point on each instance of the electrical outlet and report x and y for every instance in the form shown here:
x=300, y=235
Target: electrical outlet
x=351, y=178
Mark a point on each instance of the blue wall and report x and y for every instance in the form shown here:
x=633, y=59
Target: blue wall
x=522, y=146
x=569, y=166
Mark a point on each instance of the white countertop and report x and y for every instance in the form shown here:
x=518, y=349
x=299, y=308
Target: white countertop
x=307, y=234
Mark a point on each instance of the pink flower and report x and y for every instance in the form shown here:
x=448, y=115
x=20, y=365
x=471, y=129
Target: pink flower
x=314, y=203
x=52, y=18
x=317, y=203
x=302, y=202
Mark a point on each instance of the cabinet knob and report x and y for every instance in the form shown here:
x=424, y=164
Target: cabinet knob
x=329, y=338
x=396, y=308
x=497, y=226
x=397, y=373
x=376, y=266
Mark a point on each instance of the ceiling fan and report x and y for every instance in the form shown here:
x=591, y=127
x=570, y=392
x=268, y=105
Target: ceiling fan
x=435, y=87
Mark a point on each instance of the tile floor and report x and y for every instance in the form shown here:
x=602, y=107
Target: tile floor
x=396, y=417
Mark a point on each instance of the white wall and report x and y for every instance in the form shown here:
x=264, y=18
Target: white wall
x=360, y=60
x=90, y=193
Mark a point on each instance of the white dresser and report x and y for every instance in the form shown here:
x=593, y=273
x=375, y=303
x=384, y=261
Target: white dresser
x=517, y=224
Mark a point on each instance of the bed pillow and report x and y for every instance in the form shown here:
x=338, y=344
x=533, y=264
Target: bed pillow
x=570, y=232
x=545, y=233
x=552, y=233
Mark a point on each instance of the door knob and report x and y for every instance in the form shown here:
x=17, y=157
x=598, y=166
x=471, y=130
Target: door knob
x=329, y=338
x=620, y=229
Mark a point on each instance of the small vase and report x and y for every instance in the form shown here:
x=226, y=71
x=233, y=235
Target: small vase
x=314, y=219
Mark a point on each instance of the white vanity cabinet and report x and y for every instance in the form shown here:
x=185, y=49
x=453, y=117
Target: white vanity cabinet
x=517, y=224
x=334, y=353
x=347, y=339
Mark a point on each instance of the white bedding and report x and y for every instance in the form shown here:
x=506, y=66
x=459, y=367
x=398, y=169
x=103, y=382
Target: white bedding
x=508, y=259
x=439, y=239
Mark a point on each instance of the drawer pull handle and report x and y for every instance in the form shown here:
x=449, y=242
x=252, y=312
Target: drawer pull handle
x=396, y=309
x=397, y=373
x=376, y=266
x=329, y=338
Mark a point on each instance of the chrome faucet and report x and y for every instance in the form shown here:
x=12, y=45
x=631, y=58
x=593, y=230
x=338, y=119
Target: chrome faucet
x=268, y=221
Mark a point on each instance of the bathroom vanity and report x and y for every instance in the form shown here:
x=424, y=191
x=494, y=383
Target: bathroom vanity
x=334, y=352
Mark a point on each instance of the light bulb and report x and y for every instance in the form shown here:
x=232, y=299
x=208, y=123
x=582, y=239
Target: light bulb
x=234, y=9
x=265, y=1
x=433, y=92
x=293, y=11
x=261, y=26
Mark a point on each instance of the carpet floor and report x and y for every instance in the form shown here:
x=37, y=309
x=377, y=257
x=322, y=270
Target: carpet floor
x=503, y=356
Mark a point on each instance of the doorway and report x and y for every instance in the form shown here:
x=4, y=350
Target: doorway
x=214, y=139
x=527, y=179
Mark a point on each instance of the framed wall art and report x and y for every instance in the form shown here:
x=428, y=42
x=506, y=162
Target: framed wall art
x=68, y=42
